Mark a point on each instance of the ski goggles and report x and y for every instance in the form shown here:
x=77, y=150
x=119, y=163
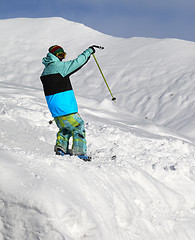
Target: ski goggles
x=61, y=55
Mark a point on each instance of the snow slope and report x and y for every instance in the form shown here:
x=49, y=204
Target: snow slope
x=140, y=184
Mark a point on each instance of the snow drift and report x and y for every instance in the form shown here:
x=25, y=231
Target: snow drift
x=140, y=184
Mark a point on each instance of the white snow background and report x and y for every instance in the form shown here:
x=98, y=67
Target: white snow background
x=140, y=184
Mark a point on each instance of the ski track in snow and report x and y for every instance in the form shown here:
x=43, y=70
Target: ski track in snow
x=140, y=183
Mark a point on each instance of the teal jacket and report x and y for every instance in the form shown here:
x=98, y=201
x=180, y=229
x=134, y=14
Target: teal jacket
x=56, y=82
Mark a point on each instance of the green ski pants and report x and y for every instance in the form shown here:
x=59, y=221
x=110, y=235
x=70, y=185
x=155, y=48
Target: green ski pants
x=71, y=126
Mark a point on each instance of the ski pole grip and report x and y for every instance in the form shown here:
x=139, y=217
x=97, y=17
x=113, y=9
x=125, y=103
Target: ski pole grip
x=100, y=47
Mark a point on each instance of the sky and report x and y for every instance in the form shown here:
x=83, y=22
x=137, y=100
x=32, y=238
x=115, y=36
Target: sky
x=119, y=18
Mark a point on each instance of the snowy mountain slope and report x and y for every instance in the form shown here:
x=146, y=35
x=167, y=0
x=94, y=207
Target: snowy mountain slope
x=140, y=184
x=151, y=78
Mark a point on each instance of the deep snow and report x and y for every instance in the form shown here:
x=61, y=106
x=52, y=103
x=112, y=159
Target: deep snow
x=140, y=184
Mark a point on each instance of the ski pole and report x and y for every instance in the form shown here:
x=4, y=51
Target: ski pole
x=51, y=121
x=113, y=98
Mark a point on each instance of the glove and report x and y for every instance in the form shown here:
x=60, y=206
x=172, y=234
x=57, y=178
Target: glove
x=93, y=49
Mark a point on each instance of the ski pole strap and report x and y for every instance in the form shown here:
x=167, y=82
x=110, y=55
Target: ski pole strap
x=113, y=98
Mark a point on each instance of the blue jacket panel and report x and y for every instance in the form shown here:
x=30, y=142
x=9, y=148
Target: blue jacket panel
x=63, y=103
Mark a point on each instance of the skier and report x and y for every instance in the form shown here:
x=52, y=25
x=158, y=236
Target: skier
x=61, y=100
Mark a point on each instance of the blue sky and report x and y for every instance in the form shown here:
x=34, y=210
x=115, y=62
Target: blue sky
x=120, y=18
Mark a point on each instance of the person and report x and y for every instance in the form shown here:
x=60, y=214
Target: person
x=61, y=100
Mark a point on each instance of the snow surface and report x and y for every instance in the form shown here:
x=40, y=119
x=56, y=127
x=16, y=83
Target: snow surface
x=140, y=184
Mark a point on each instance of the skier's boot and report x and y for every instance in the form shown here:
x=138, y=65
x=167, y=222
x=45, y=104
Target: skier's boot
x=85, y=158
x=60, y=151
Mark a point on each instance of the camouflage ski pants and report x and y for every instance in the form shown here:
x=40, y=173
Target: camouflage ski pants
x=71, y=126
